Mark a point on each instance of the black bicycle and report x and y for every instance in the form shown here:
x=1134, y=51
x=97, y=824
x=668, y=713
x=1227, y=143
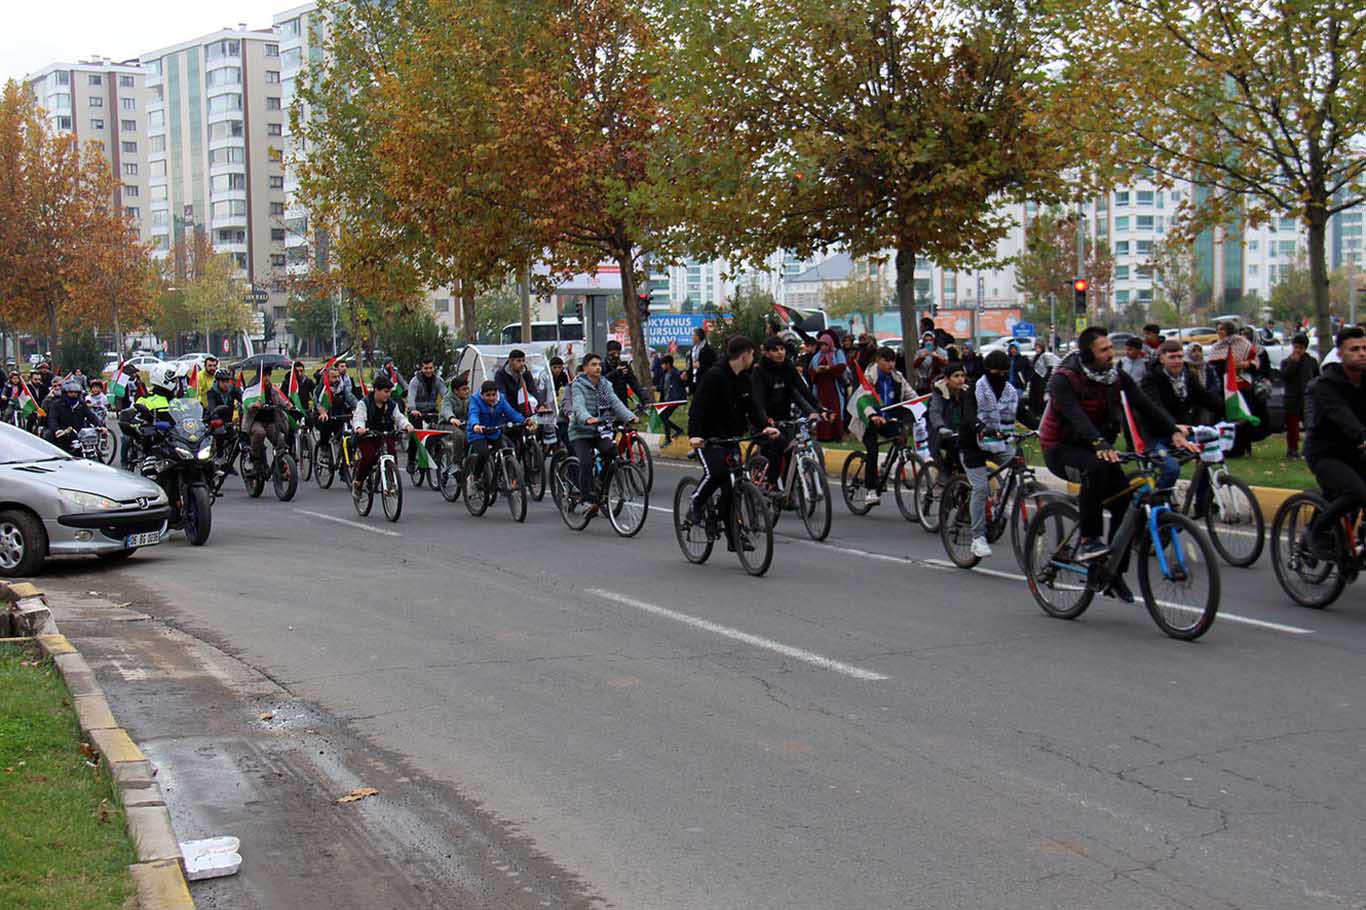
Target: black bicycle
x=1314, y=570
x=502, y=475
x=619, y=489
x=1014, y=495
x=803, y=487
x=329, y=455
x=749, y=520
x=425, y=466
x=901, y=470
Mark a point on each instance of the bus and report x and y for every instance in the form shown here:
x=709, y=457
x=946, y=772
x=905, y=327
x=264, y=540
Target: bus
x=570, y=329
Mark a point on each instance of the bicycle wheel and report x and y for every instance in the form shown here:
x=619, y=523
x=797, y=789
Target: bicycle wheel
x=639, y=455
x=450, y=481
x=108, y=446
x=572, y=510
x=929, y=487
x=324, y=465
x=1307, y=579
x=1184, y=598
x=1059, y=584
x=903, y=485
x=436, y=457
x=751, y=528
x=533, y=468
x=253, y=476
x=284, y=476
x=364, y=501
x=513, y=485
x=477, y=497
x=693, y=539
x=955, y=522
x=305, y=443
x=852, y=486
x=811, y=495
x=552, y=472
x=1030, y=498
x=1234, y=521
x=391, y=490
x=628, y=499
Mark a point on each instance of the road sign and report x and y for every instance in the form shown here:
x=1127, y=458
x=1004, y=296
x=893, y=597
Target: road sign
x=227, y=346
x=1081, y=324
x=256, y=295
x=1023, y=330
x=258, y=325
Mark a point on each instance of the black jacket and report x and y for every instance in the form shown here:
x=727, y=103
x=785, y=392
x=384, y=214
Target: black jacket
x=724, y=405
x=1159, y=389
x=1335, y=416
x=702, y=359
x=1072, y=394
x=777, y=387
x=63, y=415
x=623, y=378
x=217, y=398
x=1297, y=376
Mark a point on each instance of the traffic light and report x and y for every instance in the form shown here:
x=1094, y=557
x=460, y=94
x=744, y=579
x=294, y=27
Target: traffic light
x=1079, y=295
x=934, y=308
x=578, y=310
x=643, y=305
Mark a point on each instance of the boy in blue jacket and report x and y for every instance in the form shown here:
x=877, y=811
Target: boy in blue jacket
x=487, y=415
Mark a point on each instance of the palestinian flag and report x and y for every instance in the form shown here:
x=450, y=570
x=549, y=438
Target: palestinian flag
x=253, y=393
x=917, y=406
x=424, y=458
x=792, y=315
x=656, y=422
x=1135, y=437
x=400, y=387
x=293, y=395
x=863, y=400
x=1235, y=405
x=118, y=384
x=192, y=384
x=27, y=405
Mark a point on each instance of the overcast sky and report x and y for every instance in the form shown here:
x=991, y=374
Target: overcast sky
x=36, y=34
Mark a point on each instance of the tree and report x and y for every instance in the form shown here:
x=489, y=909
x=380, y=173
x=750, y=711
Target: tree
x=119, y=280
x=410, y=338
x=862, y=295
x=1292, y=296
x=1259, y=104
x=79, y=349
x=310, y=316
x=494, y=309
x=214, y=299
x=1048, y=265
x=874, y=124
x=750, y=310
x=1175, y=278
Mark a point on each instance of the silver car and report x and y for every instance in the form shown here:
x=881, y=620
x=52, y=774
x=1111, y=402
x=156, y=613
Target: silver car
x=53, y=504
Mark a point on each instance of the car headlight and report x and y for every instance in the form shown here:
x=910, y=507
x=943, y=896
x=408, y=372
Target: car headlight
x=87, y=502
x=205, y=449
x=183, y=452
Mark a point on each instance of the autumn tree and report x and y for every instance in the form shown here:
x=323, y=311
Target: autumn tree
x=1048, y=264
x=119, y=280
x=871, y=124
x=1176, y=280
x=1259, y=102
x=863, y=295
x=214, y=298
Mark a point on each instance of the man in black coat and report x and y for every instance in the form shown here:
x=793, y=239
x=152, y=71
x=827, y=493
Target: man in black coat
x=1336, y=444
x=1298, y=369
x=1174, y=386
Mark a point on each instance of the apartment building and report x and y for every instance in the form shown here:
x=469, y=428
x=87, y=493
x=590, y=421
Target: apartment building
x=215, y=126
x=102, y=102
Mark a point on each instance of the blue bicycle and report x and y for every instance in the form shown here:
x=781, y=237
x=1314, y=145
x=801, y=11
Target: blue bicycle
x=1178, y=571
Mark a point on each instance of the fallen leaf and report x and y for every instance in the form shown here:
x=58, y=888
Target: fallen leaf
x=89, y=752
x=104, y=812
x=9, y=770
x=358, y=794
x=39, y=778
x=267, y=715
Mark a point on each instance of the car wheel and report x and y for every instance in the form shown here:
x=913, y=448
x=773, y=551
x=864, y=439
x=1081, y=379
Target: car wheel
x=23, y=543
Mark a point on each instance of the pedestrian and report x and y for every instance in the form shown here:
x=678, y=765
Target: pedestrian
x=1135, y=360
x=1297, y=370
x=1152, y=341
x=1045, y=361
x=669, y=386
x=1232, y=345
x=827, y=373
x=701, y=357
x=971, y=361
x=1017, y=374
x=928, y=364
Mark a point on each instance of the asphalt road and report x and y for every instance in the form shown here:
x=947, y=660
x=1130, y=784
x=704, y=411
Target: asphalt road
x=866, y=727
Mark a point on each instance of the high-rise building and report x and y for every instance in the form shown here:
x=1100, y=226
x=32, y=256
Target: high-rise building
x=101, y=102
x=215, y=152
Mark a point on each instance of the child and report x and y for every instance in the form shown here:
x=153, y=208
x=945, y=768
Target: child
x=97, y=401
x=669, y=386
x=487, y=415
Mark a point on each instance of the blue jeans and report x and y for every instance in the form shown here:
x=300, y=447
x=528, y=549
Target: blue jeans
x=1171, y=470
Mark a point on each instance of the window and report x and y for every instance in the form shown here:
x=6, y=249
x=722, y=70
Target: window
x=239, y=260
x=277, y=233
x=272, y=76
x=296, y=255
x=1121, y=297
x=291, y=58
x=1160, y=226
x=1121, y=273
x=1122, y=223
x=1145, y=295
x=64, y=123
x=1144, y=273
x=232, y=208
x=130, y=170
x=59, y=102
x=96, y=123
x=277, y=260
x=156, y=168
x=1271, y=274
x=1121, y=248
x=277, y=183
x=441, y=306
x=275, y=129
x=225, y=129
x=222, y=183
x=231, y=235
x=1253, y=270
x=1144, y=223
x=156, y=119
x=129, y=190
x=219, y=104
x=1289, y=224
x=1287, y=248
x=130, y=148
x=230, y=155
x=132, y=211
x=127, y=82
x=272, y=50
x=272, y=104
x=159, y=193
x=1253, y=246
x=275, y=154
x=1122, y=198
x=290, y=28
x=160, y=217
x=224, y=75
x=220, y=50
x=1145, y=197
x=154, y=67
x=96, y=101
x=128, y=104
x=160, y=242
x=63, y=78
x=1159, y=200
x=1144, y=247
x=277, y=208
x=95, y=79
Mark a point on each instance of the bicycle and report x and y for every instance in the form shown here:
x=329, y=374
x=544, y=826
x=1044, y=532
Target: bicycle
x=384, y=477
x=417, y=474
x=329, y=455
x=1172, y=552
x=632, y=447
x=619, y=489
x=282, y=468
x=452, y=478
x=301, y=444
x=532, y=456
x=502, y=474
x=1304, y=569
x=1015, y=494
x=1233, y=517
x=751, y=529
x=803, y=487
x=901, y=468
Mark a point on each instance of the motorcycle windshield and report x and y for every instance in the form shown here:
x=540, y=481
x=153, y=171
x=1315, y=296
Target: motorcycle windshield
x=188, y=416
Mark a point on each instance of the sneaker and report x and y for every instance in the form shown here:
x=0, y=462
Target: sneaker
x=980, y=548
x=872, y=498
x=1091, y=549
x=357, y=488
x=1293, y=456
x=744, y=542
x=1119, y=589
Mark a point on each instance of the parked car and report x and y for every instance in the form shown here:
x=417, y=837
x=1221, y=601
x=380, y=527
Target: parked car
x=143, y=361
x=252, y=365
x=1200, y=334
x=54, y=505
x=182, y=365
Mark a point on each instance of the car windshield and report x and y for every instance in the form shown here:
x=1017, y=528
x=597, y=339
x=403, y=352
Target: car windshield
x=18, y=446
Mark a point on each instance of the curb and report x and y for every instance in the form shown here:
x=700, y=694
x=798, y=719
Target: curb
x=158, y=875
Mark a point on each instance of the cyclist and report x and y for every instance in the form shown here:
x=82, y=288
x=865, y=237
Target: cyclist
x=777, y=389
x=340, y=405
x=306, y=388
x=988, y=413
x=1078, y=434
x=347, y=382
x=1336, y=440
x=487, y=414
x=425, y=392
x=68, y=415
x=222, y=402
x=375, y=414
x=592, y=398
x=387, y=368
x=205, y=380
x=620, y=374
x=723, y=406
x=132, y=385
x=944, y=416
x=870, y=422
x=455, y=410
x=1175, y=387
x=266, y=419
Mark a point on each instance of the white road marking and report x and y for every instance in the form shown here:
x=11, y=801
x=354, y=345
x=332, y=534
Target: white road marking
x=816, y=660
x=349, y=524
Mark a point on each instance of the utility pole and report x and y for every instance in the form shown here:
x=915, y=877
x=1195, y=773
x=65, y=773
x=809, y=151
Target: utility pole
x=1052, y=320
x=981, y=311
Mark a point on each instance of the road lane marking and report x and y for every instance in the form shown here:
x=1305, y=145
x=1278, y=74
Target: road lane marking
x=816, y=660
x=350, y=524
x=1231, y=617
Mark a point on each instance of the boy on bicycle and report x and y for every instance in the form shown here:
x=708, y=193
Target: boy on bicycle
x=988, y=415
x=870, y=421
x=1336, y=442
x=592, y=397
x=376, y=414
x=488, y=412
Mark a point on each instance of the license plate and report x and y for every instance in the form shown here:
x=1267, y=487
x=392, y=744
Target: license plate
x=143, y=540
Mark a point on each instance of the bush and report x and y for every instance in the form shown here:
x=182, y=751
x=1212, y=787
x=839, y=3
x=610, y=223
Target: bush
x=750, y=311
x=409, y=338
x=79, y=349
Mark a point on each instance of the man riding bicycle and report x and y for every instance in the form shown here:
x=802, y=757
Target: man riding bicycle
x=333, y=404
x=222, y=402
x=1078, y=432
x=1173, y=386
x=868, y=421
x=455, y=411
x=592, y=398
x=487, y=415
x=425, y=392
x=375, y=415
x=944, y=417
x=266, y=419
x=777, y=389
x=988, y=414
x=1335, y=414
x=723, y=407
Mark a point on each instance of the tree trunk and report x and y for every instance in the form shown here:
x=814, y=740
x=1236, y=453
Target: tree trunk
x=524, y=292
x=52, y=339
x=467, y=317
x=640, y=355
x=118, y=330
x=1318, y=274
x=905, y=298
